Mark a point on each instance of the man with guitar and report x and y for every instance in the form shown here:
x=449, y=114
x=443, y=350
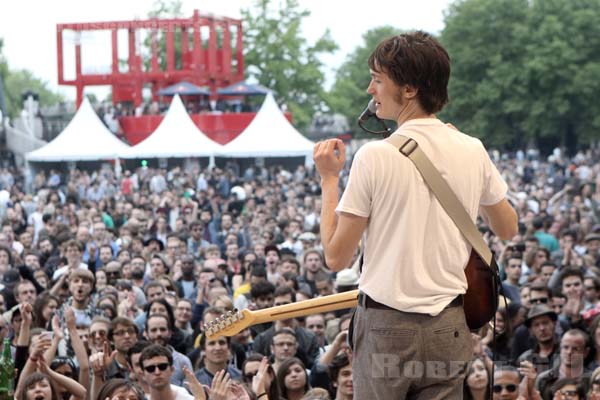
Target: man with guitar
x=410, y=337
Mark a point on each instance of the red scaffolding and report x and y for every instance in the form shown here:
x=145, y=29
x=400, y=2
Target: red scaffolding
x=204, y=61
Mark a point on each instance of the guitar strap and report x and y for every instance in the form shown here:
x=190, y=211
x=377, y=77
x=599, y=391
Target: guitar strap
x=453, y=207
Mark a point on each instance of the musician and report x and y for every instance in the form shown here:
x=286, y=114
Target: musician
x=410, y=335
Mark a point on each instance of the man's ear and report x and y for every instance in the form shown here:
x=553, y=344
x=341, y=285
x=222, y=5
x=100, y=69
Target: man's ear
x=409, y=92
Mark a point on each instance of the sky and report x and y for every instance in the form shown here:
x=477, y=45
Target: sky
x=28, y=28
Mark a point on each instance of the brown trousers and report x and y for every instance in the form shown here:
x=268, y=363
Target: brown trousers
x=399, y=355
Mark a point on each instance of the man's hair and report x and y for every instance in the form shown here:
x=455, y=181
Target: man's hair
x=284, y=291
x=258, y=271
x=19, y=284
x=284, y=331
x=155, y=350
x=540, y=286
x=567, y=272
x=562, y=382
x=580, y=333
x=124, y=321
x=312, y=251
x=158, y=316
x=338, y=362
x=83, y=274
x=137, y=348
x=152, y=284
x=109, y=247
x=548, y=264
x=419, y=60
x=74, y=243
x=262, y=289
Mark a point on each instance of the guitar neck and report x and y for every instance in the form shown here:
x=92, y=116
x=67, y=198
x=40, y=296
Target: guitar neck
x=317, y=305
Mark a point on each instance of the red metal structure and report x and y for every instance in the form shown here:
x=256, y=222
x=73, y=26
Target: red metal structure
x=209, y=61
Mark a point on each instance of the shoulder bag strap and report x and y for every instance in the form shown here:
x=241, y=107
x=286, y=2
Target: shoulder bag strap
x=442, y=191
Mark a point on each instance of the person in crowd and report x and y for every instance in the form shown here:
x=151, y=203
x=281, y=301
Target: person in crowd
x=292, y=379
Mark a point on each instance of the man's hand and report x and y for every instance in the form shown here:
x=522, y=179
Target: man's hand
x=193, y=384
x=70, y=319
x=330, y=157
x=218, y=390
x=26, y=315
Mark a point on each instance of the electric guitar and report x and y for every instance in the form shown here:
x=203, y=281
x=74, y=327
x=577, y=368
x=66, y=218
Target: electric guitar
x=480, y=303
x=234, y=322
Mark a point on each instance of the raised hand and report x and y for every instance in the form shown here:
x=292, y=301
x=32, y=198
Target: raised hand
x=58, y=332
x=330, y=157
x=26, y=315
x=259, y=381
x=193, y=384
x=218, y=390
x=70, y=319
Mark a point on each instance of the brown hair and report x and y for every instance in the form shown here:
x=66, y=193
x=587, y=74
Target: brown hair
x=419, y=60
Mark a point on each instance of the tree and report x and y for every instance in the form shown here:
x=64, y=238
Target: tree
x=486, y=42
x=524, y=72
x=164, y=9
x=279, y=57
x=19, y=81
x=348, y=94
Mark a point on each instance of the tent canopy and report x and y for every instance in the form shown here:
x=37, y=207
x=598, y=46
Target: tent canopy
x=269, y=134
x=85, y=138
x=243, y=88
x=183, y=88
x=177, y=136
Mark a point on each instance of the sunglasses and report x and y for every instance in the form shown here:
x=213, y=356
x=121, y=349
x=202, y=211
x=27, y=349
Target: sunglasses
x=511, y=388
x=542, y=300
x=152, y=368
x=568, y=393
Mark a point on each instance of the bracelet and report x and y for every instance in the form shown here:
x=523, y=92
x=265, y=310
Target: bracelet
x=261, y=395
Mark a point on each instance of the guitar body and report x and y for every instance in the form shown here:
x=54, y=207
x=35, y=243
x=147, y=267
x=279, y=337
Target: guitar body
x=481, y=300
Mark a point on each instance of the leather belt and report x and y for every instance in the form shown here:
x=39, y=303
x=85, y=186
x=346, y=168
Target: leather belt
x=367, y=302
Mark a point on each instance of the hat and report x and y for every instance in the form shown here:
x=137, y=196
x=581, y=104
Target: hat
x=147, y=242
x=307, y=236
x=11, y=277
x=591, y=236
x=537, y=311
x=346, y=277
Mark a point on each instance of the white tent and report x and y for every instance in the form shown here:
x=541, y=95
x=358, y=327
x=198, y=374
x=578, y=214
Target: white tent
x=269, y=134
x=176, y=136
x=85, y=138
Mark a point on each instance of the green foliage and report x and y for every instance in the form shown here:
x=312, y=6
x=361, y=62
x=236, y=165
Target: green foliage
x=280, y=58
x=164, y=9
x=348, y=96
x=524, y=72
x=19, y=81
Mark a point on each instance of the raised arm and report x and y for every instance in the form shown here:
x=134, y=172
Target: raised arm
x=501, y=218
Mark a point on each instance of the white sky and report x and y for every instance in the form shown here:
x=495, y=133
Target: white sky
x=28, y=27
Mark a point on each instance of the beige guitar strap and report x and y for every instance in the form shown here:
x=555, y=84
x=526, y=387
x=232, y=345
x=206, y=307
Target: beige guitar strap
x=442, y=191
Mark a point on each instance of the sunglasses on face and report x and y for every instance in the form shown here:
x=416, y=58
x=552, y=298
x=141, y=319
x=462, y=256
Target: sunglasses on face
x=511, y=388
x=152, y=368
x=541, y=300
x=568, y=393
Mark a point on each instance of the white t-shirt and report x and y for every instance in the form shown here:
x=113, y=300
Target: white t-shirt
x=415, y=255
x=64, y=269
x=180, y=393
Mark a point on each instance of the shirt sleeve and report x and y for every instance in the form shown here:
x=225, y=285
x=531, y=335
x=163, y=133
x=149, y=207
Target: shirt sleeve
x=494, y=187
x=357, y=196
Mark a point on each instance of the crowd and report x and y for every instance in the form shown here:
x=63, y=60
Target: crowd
x=109, y=282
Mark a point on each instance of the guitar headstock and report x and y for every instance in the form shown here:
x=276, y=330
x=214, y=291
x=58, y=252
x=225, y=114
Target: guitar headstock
x=229, y=324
